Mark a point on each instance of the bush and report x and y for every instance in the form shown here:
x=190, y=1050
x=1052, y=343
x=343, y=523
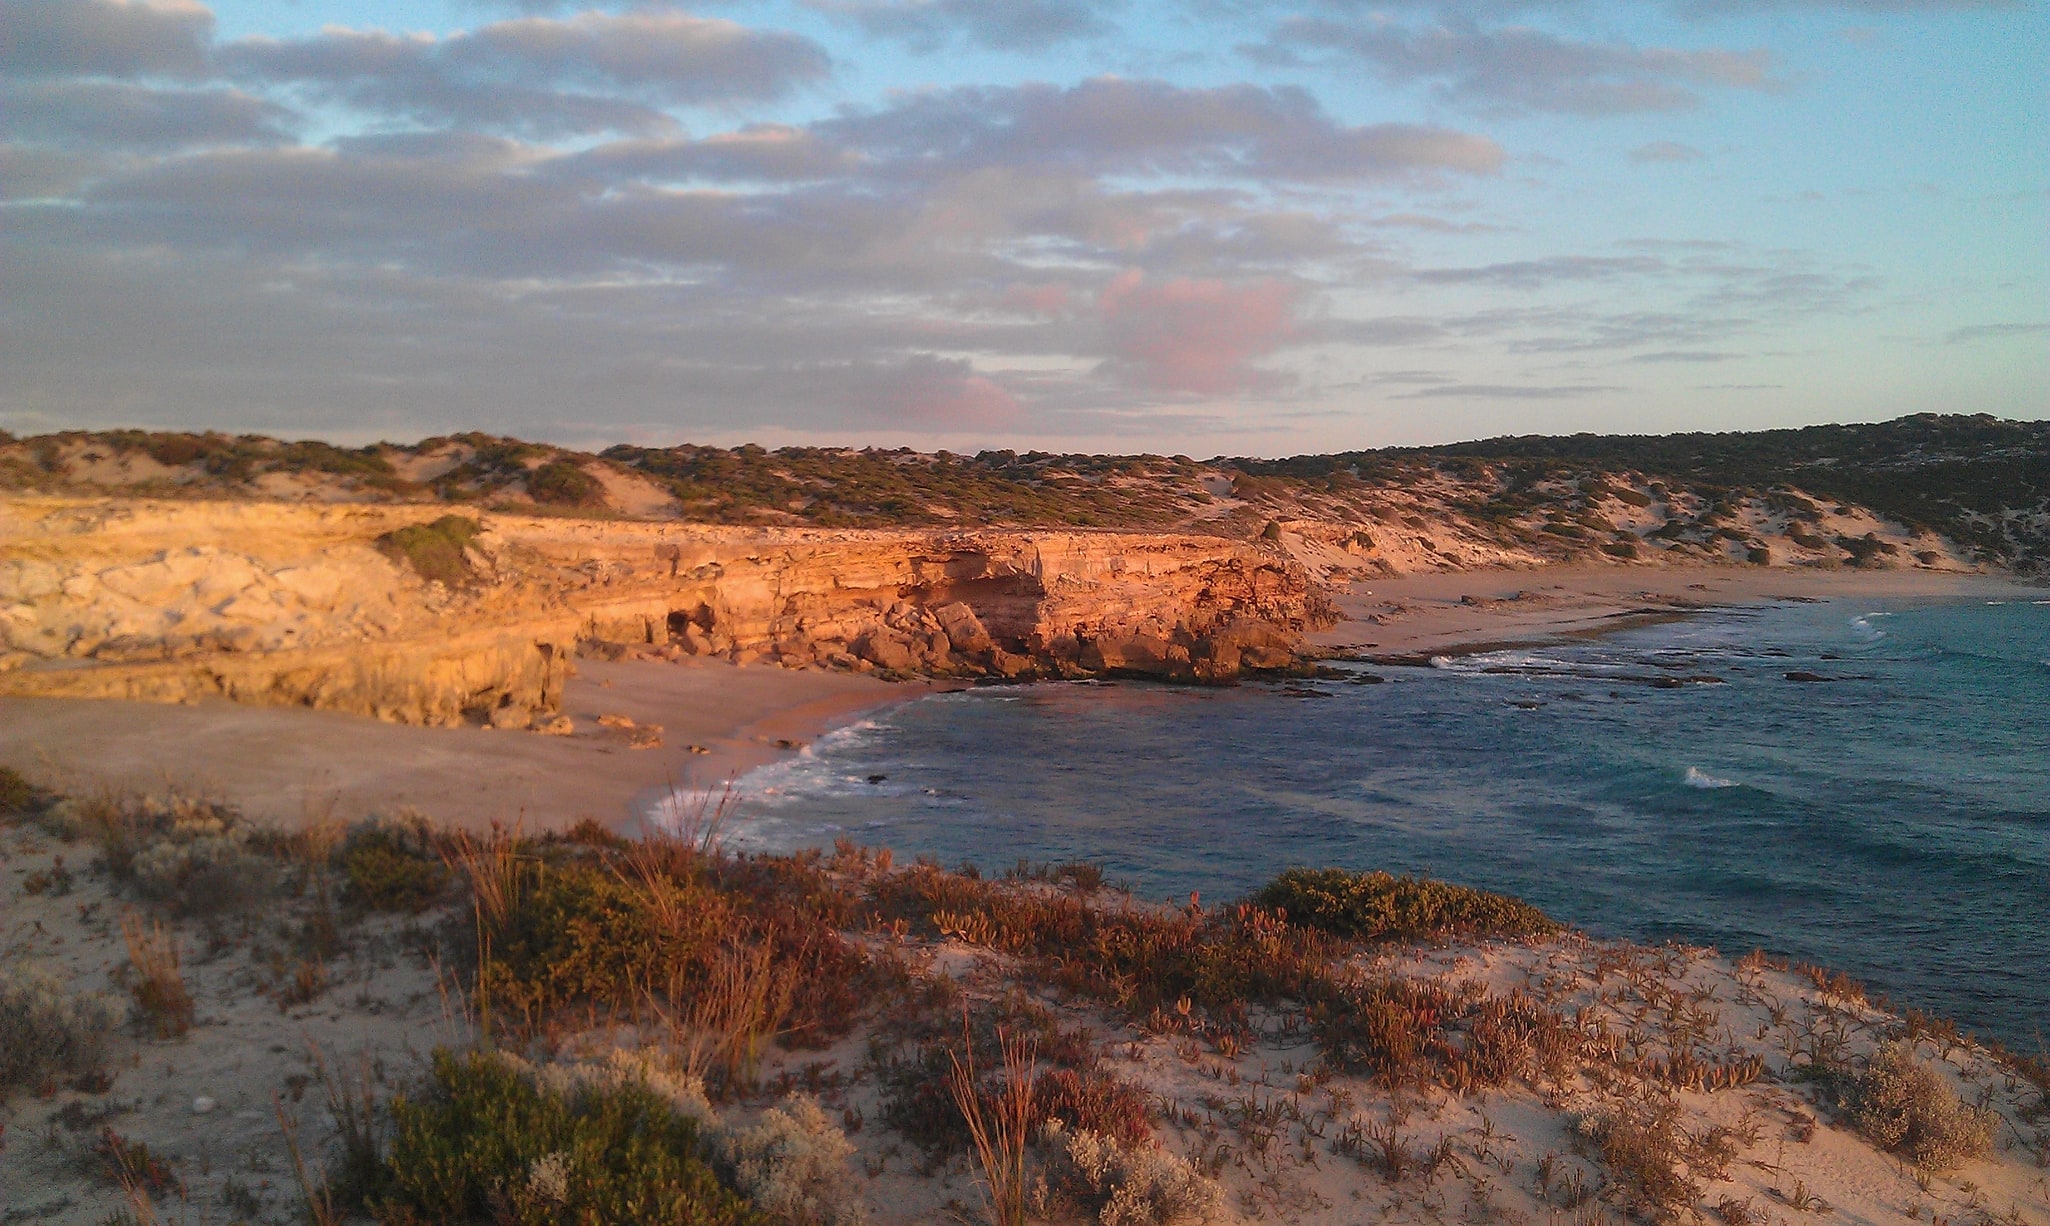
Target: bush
x=192, y=857
x=45, y=1031
x=391, y=865
x=1129, y=1186
x=434, y=551
x=17, y=795
x=564, y=483
x=1905, y=1105
x=486, y=1144
x=792, y=1166
x=1377, y=905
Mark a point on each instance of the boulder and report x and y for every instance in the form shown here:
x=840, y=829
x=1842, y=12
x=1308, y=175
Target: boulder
x=884, y=650
x=964, y=630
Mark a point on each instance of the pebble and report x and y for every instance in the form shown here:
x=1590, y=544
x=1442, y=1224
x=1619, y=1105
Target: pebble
x=202, y=1105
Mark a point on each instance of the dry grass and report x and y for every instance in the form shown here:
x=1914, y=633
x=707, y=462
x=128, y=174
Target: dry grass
x=728, y=1020
x=156, y=981
x=1000, y=1128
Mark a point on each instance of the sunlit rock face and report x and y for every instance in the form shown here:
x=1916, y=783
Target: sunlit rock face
x=332, y=606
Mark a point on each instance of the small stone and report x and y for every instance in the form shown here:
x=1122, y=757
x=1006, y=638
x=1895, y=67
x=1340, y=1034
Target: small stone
x=203, y=1105
x=561, y=725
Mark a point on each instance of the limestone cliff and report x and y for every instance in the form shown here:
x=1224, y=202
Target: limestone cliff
x=334, y=606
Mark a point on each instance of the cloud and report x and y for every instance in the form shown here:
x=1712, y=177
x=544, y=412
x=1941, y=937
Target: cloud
x=593, y=72
x=1665, y=151
x=1532, y=274
x=1522, y=68
x=929, y=26
x=119, y=115
x=1985, y=332
x=112, y=38
x=1509, y=391
x=1111, y=124
x=1195, y=334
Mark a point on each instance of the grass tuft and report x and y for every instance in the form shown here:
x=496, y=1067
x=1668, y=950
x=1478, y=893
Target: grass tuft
x=156, y=982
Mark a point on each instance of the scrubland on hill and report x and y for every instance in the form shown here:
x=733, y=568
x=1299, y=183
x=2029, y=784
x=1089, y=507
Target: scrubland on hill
x=210, y=1020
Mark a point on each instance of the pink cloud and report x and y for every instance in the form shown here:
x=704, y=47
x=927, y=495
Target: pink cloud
x=932, y=393
x=1195, y=334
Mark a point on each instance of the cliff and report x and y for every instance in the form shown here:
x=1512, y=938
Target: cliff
x=413, y=615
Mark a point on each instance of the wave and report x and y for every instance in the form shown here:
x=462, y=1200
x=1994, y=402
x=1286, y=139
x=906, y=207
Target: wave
x=1697, y=778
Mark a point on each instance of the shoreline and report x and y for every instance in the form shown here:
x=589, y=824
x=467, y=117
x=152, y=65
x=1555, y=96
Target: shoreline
x=720, y=722
x=1453, y=613
x=292, y=765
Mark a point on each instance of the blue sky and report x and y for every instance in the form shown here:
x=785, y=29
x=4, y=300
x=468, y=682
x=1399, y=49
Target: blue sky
x=1212, y=226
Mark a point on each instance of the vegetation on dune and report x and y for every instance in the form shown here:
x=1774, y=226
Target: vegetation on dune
x=434, y=550
x=484, y=1143
x=1372, y=906
x=875, y=488
x=1983, y=482
x=622, y=989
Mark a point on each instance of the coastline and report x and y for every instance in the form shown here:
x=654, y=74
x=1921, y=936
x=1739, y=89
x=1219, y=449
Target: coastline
x=1409, y=617
x=289, y=765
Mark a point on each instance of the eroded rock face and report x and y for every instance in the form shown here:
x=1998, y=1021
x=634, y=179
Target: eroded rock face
x=292, y=604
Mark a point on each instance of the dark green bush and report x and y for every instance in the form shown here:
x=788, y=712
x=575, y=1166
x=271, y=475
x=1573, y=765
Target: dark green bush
x=566, y=484
x=434, y=551
x=387, y=867
x=1377, y=905
x=16, y=793
x=485, y=1144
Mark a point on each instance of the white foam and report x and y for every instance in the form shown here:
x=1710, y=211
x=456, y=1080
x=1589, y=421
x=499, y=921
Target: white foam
x=1697, y=778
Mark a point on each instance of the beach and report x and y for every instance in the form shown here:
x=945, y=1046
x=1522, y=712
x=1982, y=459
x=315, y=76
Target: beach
x=288, y=764
x=1463, y=611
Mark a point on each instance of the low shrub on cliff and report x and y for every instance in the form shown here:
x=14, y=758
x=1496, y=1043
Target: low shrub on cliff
x=433, y=550
x=563, y=483
x=486, y=1144
x=1372, y=906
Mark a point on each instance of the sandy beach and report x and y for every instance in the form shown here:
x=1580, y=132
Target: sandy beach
x=1467, y=610
x=283, y=764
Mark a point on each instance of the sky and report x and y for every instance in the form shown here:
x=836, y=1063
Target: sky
x=1198, y=226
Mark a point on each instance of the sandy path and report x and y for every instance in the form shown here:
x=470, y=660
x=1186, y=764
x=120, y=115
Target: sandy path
x=280, y=763
x=1421, y=614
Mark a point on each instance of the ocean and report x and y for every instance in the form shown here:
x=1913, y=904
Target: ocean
x=1889, y=818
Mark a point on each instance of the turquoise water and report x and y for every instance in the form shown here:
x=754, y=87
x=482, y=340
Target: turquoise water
x=1892, y=821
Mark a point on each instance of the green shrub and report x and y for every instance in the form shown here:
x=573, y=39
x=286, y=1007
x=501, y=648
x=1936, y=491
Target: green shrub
x=17, y=795
x=434, y=551
x=1378, y=905
x=45, y=1031
x=564, y=483
x=579, y=933
x=391, y=865
x=486, y=1144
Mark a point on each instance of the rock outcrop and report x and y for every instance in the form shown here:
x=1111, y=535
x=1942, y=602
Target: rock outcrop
x=334, y=606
